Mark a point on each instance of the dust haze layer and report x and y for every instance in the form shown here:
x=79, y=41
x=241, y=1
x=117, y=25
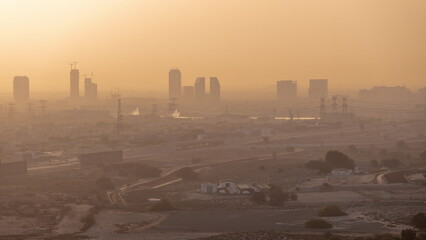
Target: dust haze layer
x=132, y=44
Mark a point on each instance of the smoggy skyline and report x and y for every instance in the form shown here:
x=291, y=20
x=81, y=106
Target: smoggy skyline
x=246, y=44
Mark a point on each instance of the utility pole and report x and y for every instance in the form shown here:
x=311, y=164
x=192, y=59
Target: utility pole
x=334, y=106
x=290, y=113
x=344, y=105
x=322, y=108
x=154, y=110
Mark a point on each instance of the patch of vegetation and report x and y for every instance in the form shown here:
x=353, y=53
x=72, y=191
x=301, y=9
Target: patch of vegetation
x=333, y=159
x=318, y=223
x=331, y=211
x=258, y=197
x=277, y=197
x=162, y=206
x=89, y=220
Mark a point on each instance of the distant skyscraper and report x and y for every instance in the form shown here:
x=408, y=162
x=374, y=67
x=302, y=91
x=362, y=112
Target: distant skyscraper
x=175, y=84
x=214, y=90
x=74, y=83
x=188, y=94
x=21, y=89
x=318, y=88
x=90, y=89
x=286, y=91
x=200, y=90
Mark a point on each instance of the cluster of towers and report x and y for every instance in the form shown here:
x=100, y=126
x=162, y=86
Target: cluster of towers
x=196, y=93
x=90, y=88
x=287, y=90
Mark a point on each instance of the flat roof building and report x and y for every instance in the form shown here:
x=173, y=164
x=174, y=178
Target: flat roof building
x=214, y=90
x=286, y=91
x=318, y=88
x=175, y=83
x=21, y=90
x=200, y=90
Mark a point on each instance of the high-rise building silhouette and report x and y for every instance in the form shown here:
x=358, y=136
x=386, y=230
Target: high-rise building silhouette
x=188, y=94
x=175, y=84
x=74, y=82
x=214, y=90
x=318, y=88
x=286, y=91
x=21, y=90
x=200, y=90
x=90, y=89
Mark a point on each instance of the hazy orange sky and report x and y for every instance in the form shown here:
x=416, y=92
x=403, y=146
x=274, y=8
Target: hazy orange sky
x=132, y=44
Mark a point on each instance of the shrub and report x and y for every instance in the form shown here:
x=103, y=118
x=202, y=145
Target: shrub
x=258, y=197
x=331, y=211
x=277, y=197
x=318, y=223
x=290, y=149
x=338, y=159
x=162, y=206
x=293, y=197
x=418, y=221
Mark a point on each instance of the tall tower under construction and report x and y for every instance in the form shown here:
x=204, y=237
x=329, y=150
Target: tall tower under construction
x=74, y=82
